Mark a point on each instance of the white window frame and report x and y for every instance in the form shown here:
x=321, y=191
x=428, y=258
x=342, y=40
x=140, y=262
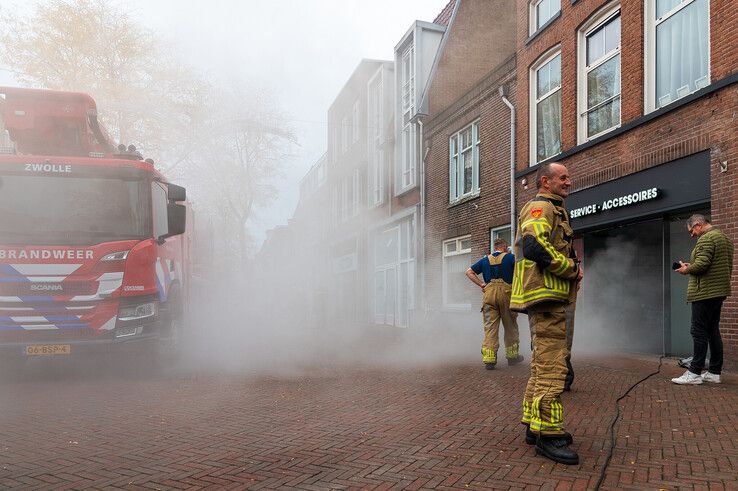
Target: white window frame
x=406, y=177
x=375, y=137
x=355, y=122
x=345, y=188
x=456, y=164
x=534, y=101
x=344, y=134
x=356, y=193
x=533, y=25
x=495, y=232
x=598, y=20
x=444, y=280
x=650, y=24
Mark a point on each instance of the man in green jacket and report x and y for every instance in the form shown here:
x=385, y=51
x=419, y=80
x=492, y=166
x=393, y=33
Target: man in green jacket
x=710, y=269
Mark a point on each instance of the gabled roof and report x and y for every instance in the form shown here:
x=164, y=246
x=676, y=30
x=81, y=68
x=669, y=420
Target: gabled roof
x=444, y=16
x=480, y=36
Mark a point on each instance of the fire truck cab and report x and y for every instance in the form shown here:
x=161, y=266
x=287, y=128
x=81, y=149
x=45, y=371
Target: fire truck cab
x=93, y=251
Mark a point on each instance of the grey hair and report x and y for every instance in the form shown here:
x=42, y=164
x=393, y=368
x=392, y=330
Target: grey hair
x=697, y=219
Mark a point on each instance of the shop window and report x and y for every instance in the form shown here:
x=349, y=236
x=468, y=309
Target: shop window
x=677, y=49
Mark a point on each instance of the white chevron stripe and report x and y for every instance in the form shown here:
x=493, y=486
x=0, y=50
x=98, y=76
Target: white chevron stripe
x=110, y=325
x=47, y=279
x=45, y=269
x=109, y=282
x=37, y=327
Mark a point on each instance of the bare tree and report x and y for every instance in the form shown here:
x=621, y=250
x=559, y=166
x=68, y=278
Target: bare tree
x=94, y=46
x=228, y=146
x=246, y=153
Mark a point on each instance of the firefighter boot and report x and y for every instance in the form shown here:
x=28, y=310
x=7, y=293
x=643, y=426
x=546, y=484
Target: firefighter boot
x=556, y=448
x=512, y=353
x=489, y=358
x=530, y=437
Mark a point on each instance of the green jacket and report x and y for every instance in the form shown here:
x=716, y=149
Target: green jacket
x=710, y=267
x=545, y=266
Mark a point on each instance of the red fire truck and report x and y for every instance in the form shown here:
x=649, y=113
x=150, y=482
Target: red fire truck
x=93, y=251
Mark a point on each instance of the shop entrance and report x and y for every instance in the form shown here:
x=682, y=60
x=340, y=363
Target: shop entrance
x=621, y=305
x=680, y=248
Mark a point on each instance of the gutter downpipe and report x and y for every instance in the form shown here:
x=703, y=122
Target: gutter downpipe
x=421, y=234
x=513, y=220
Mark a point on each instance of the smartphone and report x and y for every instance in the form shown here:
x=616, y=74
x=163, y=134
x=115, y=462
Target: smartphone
x=675, y=265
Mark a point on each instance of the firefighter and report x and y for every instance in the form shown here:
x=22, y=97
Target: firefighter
x=497, y=271
x=545, y=271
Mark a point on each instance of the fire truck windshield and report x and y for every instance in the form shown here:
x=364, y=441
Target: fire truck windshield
x=72, y=210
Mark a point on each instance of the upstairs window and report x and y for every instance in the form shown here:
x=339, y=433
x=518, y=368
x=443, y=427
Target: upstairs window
x=406, y=175
x=541, y=11
x=464, y=163
x=355, y=123
x=599, y=75
x=344, y=134
x=678, y=49
x=545, y=108
x=375, y=140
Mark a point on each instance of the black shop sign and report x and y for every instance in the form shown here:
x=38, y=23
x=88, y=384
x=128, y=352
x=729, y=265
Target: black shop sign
x=678, y=184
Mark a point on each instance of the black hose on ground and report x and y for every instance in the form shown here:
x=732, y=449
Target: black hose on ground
x=603, y=471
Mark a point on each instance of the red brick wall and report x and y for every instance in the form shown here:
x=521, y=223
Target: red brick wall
x=492, y=207
x=709, y=123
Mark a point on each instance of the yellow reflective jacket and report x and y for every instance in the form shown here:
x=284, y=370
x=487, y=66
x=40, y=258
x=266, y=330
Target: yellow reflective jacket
x=545, y=264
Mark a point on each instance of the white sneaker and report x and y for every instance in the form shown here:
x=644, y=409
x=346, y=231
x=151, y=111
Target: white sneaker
x=711, y=377
x=688, y=378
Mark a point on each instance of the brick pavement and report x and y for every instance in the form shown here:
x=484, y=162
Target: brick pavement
x=450, y=427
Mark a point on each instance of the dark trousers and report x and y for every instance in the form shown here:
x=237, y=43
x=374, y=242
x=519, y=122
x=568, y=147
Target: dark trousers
x=706, y=332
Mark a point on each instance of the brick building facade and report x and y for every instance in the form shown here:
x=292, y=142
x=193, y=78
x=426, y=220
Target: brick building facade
x=641, y=96
x=467, y=139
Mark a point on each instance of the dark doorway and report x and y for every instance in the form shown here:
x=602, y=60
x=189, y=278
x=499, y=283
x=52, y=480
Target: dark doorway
x=621, y=304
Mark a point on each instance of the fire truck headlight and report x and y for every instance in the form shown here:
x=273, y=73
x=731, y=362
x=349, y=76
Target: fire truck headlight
x=137, y=312
x=115, y=256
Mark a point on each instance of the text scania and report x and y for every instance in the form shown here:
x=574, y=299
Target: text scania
x=58, y=168
x=45, y=254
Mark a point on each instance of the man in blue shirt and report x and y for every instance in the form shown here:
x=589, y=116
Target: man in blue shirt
x=497, y=273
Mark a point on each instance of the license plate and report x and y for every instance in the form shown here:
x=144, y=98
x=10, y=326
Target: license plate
x=48, y=349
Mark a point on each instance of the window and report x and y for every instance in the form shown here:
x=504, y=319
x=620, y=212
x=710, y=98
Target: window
x=375, y=140
x=356, y=193
x=541, y=11
x=458, y=291
x=355, y=122
x=344, y=134
x=464, y=163
x=500, y=233
x=545, y=108
x=677, y=49
x=159, y=207
x=407, y=136
x=335, y=213
x=599, y=75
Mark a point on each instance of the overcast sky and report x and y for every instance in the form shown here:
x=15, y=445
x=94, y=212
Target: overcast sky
x=304, y=50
